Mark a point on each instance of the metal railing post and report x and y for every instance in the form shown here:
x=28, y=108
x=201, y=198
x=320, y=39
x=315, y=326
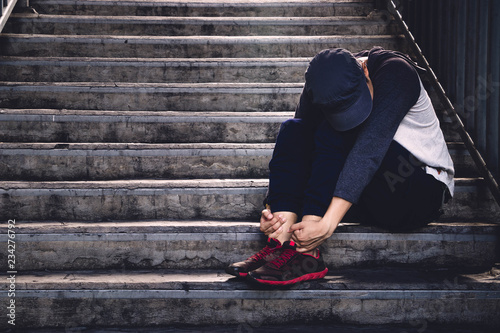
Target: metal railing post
x=6, y=7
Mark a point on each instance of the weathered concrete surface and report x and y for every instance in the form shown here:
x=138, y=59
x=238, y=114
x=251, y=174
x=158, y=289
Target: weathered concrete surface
x=207, y=8
x=178, y=199
x=352, y=296
x=189, y=46
x=125, y=161
x=152, y=96
x=370, y=279
x=197, y=26
x=74, y=69
x=98, y=161
x=20, y=125
x=52, y=125
x=86, y=310
x=148, y=199
x=211, y=244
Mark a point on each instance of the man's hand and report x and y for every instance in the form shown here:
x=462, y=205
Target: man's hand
x=314, y=230
x=270, y=224
x=310, y=234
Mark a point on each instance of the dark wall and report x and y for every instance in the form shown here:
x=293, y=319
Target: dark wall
x=461, y=41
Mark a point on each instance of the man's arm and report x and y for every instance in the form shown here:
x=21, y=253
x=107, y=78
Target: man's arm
x=396, y=90
x=314, y=230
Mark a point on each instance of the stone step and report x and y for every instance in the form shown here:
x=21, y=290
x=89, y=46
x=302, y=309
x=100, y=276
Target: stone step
x=364, y=296
x=205, y=7
x=151, y=96
x=38, y=125
x=229, y=199
x=53, y=161
x=111, y=161
x=186, y=46
x=215, y=244
x=197, y=26
x=150, y=70
x=50, y=125
x=304, y=327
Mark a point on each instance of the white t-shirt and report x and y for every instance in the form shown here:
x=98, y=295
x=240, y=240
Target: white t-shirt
x=419, y=132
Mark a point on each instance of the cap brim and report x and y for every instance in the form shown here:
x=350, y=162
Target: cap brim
x=355, y=115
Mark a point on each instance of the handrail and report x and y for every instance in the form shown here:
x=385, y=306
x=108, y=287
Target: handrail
x=449, y=108
x=6, y=7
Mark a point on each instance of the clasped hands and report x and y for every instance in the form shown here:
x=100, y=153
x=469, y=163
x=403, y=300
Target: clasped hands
x=308, y=234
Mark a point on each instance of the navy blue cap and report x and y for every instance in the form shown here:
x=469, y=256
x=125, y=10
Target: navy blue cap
x=337, y=85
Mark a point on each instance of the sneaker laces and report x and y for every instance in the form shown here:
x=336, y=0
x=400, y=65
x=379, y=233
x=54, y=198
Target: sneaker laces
x=262, y=253
x=285, y=256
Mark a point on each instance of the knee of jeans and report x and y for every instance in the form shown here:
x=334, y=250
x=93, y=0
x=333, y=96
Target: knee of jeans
x=293, y=130
x=293, y=124
x=327, y=137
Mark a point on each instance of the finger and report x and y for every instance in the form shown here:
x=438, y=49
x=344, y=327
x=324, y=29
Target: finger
x=296, y=227
x=306, y=246
x=276, y=233
x=270, y=227
x=267, y=215
x=280, y=220
x=267, y=228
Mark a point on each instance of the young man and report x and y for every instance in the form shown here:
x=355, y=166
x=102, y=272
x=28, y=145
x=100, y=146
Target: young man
x=364, y=133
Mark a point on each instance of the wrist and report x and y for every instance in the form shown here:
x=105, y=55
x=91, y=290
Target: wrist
x=331, y=222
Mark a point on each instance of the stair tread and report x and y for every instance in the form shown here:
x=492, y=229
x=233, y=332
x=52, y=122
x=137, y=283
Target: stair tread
x=163, y=115
x=185, y=86
x=228, y=25
x=264, y=3
x=137, y=146
x=202, y=147
x=199, y=20
x=355, y=283
x=186, y=62
x=464, y=183
x=229, y=227
x=212, y=8
x=212, y=244
x=223, y=40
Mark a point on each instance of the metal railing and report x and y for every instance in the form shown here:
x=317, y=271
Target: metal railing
x=447, y=59
x=6, y=7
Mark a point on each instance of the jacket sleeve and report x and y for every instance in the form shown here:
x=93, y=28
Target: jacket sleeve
x=396, y=89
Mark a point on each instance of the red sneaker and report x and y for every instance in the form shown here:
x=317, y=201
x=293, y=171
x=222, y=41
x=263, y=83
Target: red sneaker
x=268, y=253
x=290, y=267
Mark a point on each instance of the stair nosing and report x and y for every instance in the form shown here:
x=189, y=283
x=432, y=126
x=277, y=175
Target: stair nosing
x=93, y=146
x=213, y=3
x=195, y=40
x=177, y=184
x=214, y=226
x=341, y=282
x=199, y=20
x=159, y=62
x=96, y=116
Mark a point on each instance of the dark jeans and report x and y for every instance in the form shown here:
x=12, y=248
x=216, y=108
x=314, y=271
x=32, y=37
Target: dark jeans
x=307, y=162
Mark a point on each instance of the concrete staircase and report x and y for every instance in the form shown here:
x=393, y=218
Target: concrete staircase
x=135, y=142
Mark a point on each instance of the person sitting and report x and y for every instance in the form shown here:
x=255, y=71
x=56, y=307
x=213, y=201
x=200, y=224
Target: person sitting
x=364, y=133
